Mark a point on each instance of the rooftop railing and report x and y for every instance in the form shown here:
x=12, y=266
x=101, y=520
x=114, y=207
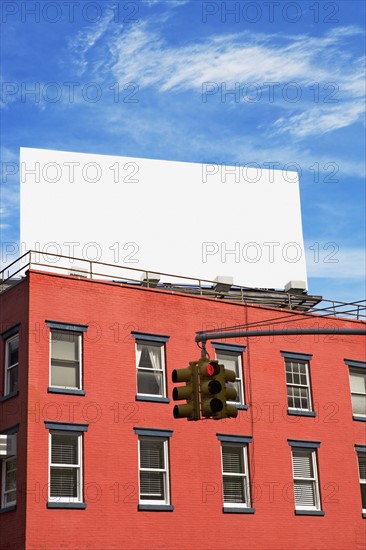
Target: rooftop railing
x=120, y=274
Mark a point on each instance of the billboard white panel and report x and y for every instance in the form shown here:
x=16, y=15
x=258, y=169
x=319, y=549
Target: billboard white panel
x=196, y=220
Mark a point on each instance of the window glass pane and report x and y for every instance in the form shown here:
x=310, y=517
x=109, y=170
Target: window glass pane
x=152, y=485
x=362, y=466
x=150, y=357
x=358, y=382
x=234, y=489
x=64, y=449
x=302, y=464
x=65, y=345
x=359, y=404
x=232, y=460
x=10, y=497
x=65, y=374
x=363, y=495
x=64, y=482
x=10, y=480
x=150, y=382
x=151, y=454
x=13, y=351
x=237, y=386
x=230, y=362
x=13, y=379
x=305, y=493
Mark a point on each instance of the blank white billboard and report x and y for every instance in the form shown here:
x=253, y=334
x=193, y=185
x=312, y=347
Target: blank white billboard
x=189, y=219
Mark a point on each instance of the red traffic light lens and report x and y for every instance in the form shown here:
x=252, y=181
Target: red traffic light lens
x=212, y=369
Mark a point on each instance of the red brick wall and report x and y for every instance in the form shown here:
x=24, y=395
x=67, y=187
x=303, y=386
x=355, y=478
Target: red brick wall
x=14, y=310
x=111, y=520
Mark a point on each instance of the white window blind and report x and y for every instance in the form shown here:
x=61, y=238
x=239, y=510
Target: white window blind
x=65, y=467
x=153, y=469
x=362, y=472
x=234, y=472
x=305, y=479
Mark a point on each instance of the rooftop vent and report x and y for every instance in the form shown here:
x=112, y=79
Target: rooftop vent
x=296, y=287
x=223, y=283
x=150, y=279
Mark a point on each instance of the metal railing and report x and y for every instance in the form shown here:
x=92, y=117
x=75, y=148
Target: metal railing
x=120, y=274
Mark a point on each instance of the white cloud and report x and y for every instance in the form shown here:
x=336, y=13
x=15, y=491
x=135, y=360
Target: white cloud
x=141, y=54
x=333, y=261
x=320, y=119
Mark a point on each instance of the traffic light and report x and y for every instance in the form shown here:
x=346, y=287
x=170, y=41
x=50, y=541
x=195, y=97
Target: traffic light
x=215, y=391
x=210, y=387
x=189, y=392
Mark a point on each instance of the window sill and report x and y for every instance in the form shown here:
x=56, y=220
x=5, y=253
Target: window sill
x=309, y=513
x=67, y=505
x=152, y=398
x=228, y=510
x=359, y=418
x=8, y=509
x=155, y=507
x=9, y=396
x=66, y=391
x=299, y=412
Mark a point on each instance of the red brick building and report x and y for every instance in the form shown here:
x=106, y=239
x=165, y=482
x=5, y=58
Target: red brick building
x=91, y=456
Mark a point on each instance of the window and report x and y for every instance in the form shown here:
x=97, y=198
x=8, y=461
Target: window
x=358, y=391
x=65, y=465
x=231, y=357
x=154, y=469
x=298, y=386
x=235, y=473
x=306, y=486
x=361, y=455
x=66, y=358
x=11, y=364
x=150, y=363
x=9, y=482
x=298, y=383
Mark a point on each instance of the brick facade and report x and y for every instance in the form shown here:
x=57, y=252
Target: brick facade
x=111, y=519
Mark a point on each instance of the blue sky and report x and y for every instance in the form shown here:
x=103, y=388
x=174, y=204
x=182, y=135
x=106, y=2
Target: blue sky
x=153, y=79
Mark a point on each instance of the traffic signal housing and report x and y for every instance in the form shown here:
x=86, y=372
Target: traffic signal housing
x=189, y=392
x=215, y=390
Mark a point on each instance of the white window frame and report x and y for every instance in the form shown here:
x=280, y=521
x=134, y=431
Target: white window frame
x=293, y=385
x=9, y=367
x=164, y=470
x=78, y=466
x=314, y=479
x=362, y=371
x=161, y=347
x=244, y=475
x=239, y=356
x=5, y=491
x=80, y=358
x=361, y=454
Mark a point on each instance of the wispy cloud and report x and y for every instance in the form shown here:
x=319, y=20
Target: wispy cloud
x=336, y=262
x=142, y=54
